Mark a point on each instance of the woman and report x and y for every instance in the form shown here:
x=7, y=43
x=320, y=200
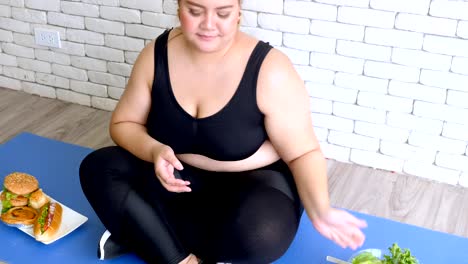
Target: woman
x=216, y=154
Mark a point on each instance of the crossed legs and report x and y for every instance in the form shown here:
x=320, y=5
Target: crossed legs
x=244, y=217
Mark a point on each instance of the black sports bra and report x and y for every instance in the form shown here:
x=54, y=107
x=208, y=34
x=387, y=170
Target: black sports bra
x=233, y=133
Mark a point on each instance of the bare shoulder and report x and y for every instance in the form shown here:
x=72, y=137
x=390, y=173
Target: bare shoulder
x=244, y=44
x=277, y=65
x=275, y=59
x=174, y=33
x=277, y=80
x=147, y=52
x=143, y=68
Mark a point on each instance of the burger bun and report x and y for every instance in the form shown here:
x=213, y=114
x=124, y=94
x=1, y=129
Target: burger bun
x=20, y=183
x=55, y=215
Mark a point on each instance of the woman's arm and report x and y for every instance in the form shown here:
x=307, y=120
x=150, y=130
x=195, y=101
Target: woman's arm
x=283, y=99
x=127, y=127
x=128, y=130
x=285, y=103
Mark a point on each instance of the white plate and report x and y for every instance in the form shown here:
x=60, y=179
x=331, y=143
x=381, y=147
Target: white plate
x=71, y=220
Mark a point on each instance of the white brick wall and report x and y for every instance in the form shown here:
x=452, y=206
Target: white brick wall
x=414, y=123
x=393, y=71
x=28, y=15
x=331, y=92
x=385, y=102
x=364, y=51
x=438, y=143
x=394, y=38
x=376, y=160
x=462, y=29
x=421, y=59
x=463, y=181
x=309, y=43
x=387, y=79
x=356, y=112
x=362, y=83
x=366, y=17
x=353, y=141
x=446, y=45
x=460, y=65
x=449, y=9
x=407, y=152
x=445, y=80
x=381, y=131
x=457, y=98
x=426, y=24
x=335, y=152
x=337, y=30
x=284, y=23
x=80, y=9
x=38, y=89
x=336, y=62
x=417, y=91
x=323, y=106
x=441, y=112
x=267, y=6
x=49, y=5
x=310, y=10
x=432, y=172
x=332, y=122
x=404, y=6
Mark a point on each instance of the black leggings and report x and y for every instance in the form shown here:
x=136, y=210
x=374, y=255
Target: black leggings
x=239, y=217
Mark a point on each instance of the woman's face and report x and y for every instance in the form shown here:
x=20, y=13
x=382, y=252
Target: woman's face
x=209, y=25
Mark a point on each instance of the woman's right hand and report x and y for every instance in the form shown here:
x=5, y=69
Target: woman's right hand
x=341, y=227
x=165, y=161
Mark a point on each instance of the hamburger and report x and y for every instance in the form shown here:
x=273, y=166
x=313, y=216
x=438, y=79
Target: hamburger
x=17, y=188
x=25, y=204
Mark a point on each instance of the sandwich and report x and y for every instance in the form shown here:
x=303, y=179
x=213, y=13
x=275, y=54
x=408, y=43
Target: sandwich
x=48, y=222
x=24, y=204
x=17, y=188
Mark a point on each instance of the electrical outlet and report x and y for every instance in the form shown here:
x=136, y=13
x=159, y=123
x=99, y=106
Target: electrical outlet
x=47, y=37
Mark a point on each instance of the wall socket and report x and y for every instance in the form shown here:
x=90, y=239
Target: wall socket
x=47, y=37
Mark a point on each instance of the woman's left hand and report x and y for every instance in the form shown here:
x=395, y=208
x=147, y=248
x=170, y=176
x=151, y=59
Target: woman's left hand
x=341, y=227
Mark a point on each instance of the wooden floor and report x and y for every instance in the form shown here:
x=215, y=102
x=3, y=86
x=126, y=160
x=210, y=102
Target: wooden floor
x=399, y=197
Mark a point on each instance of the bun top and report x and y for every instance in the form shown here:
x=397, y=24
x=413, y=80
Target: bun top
x=20, y=183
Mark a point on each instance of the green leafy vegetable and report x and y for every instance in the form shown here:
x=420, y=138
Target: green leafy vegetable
x=6, y=205
x=43, y=217
x=399, y=256
x=10, y=196
x=396, y=256
x=366, y=258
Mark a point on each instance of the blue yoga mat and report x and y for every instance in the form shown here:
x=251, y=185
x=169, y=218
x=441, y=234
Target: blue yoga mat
x=55, y=164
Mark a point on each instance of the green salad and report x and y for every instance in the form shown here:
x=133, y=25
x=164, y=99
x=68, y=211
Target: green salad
x=366, y=258
x=396, y=256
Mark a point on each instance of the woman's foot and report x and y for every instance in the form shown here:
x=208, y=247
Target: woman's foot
x=191, y=259
x=109, y=248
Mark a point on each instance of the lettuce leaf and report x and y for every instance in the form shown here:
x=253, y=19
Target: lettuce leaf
x=366, y=258
x=399, y=256
x=6, y=205
x=42, y=218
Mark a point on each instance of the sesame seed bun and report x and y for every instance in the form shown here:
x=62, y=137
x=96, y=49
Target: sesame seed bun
x=21, y=183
